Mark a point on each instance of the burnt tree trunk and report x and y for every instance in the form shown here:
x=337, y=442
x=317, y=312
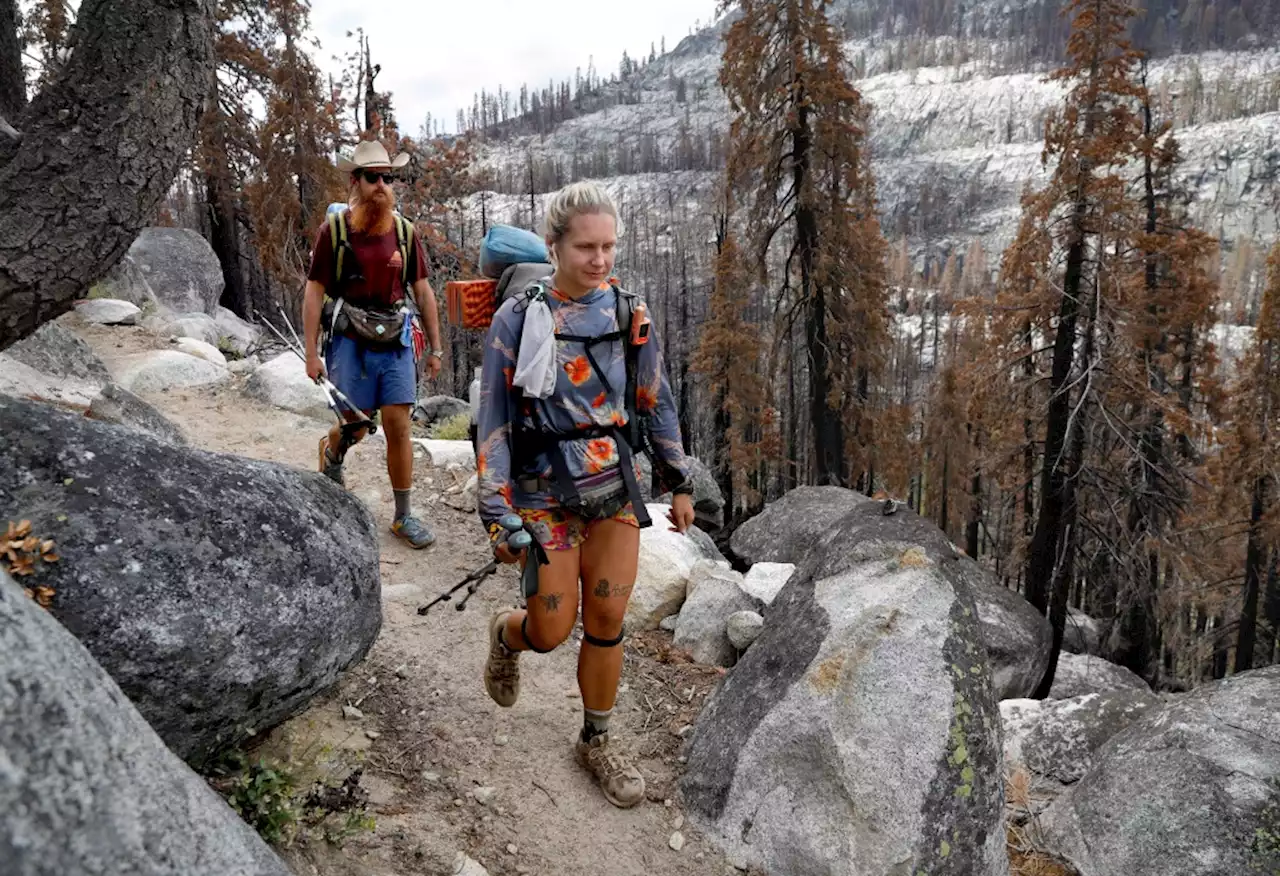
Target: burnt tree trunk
x=224, y=218
x=1255, y=559
x=13, y=90
x=1063, y=565
x=1273, y=609
x=100, y=148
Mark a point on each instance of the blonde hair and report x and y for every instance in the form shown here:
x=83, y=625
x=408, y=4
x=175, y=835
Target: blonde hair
x=573, y=200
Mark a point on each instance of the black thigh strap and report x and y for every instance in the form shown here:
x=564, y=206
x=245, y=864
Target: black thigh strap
x=601, y=643
x=524, y=634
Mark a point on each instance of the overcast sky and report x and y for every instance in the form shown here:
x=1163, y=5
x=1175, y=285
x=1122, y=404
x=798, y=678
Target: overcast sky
x=436, y=54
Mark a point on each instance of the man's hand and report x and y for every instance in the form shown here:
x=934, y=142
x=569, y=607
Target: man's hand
x=315, y=368
x=433, y=365
x=681, y=513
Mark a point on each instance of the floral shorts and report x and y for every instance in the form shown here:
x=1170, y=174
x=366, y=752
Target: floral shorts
x=559, y=530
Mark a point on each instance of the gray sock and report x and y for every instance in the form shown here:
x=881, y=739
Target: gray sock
x=594, y=723
x=402, y=502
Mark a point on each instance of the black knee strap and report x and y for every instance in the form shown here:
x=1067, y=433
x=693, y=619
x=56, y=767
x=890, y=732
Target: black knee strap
x=524, y=634
x=603, y=643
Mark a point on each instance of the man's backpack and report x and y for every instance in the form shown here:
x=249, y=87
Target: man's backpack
x=372, y=327
x=344, y=256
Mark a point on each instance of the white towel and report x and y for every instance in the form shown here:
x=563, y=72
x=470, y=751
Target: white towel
x=536, y=364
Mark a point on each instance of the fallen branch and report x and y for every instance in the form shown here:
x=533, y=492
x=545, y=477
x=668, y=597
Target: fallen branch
x=9, y=131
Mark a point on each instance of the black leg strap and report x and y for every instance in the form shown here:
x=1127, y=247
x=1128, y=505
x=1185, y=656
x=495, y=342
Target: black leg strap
x=626, y=462
x=524, y=634
x=602, y=643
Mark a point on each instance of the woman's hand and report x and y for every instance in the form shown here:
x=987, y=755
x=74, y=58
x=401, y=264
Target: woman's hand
x=681, y=513
x=505, y=554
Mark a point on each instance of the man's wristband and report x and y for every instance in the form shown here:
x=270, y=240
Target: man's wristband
x=439, y=354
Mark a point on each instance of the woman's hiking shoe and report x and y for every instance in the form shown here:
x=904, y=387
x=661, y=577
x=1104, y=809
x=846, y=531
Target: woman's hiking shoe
x=413, y=532
x=621, y=782
x=502, y=669
x=329, y=467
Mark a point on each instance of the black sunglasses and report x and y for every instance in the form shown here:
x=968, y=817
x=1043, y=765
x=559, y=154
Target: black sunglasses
x=372, y=177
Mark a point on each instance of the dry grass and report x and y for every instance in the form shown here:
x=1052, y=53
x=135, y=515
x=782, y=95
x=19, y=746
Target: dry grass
x=1026, y=861
x=1022, y=832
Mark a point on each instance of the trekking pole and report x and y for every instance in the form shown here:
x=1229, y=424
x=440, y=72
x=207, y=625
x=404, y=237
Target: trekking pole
x=517, y=538
x=332, y=394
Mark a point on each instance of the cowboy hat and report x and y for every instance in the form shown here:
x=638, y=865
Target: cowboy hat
x=371, y=153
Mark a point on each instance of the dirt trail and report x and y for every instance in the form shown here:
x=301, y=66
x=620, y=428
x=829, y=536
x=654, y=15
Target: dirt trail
x=445, y=768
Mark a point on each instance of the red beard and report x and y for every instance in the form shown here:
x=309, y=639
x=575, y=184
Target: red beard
x=372, y=216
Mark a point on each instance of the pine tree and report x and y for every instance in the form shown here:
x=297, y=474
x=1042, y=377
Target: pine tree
x=1254, y=459
x=798, y=166
x=1078, y=215
x=296, y=178
x=227, y=148
x=729, y=358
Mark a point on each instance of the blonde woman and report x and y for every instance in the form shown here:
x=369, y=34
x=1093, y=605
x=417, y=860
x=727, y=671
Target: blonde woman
x=563, y=458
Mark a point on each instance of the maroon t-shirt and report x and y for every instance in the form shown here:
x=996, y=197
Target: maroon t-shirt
x=378, y=257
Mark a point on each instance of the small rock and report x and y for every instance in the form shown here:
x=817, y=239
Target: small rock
x=501, y=739
x=668, y=623
x=109, y=311
x=573, y=693
x=430, y=777
x=743, y=628
x=457, y=801
x=402, y=671
x=484, y=796
x=679, y=822
x=201, y=350
x=512, y=848
x=352, y=713
x=465, y=866
x=372, y=734
x=677, y=841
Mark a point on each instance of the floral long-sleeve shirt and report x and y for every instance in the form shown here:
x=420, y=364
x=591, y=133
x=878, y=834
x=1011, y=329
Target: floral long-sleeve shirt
x=581, y=400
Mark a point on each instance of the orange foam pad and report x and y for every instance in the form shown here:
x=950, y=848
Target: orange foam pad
x=471, y=302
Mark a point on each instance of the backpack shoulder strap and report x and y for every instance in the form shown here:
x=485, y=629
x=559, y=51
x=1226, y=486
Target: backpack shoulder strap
x=404, y=237
x=338, y=245
x=626, y=303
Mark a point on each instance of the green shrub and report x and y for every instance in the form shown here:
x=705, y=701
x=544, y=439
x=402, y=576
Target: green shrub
x=270, y=798
x=455, y=428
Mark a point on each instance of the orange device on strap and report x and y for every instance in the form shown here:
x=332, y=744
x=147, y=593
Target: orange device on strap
x=640, y=324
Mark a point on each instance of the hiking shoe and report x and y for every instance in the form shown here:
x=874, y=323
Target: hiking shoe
x=414, y=532
x=502, y=669
x=328, y=466
x=621, y=782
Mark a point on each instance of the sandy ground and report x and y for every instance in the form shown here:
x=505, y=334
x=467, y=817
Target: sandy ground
x=445, y=769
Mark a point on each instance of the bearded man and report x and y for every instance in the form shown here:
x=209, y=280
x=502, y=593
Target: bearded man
x=368, y=259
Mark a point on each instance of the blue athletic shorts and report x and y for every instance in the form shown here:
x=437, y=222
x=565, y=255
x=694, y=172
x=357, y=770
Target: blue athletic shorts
x=372, y=379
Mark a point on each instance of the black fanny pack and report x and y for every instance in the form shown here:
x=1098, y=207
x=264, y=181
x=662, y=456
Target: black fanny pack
x=374, y=328
x=594, y=497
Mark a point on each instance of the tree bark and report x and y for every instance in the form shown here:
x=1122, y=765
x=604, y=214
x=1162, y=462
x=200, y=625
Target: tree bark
x=101, y=147
x=13, y=90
